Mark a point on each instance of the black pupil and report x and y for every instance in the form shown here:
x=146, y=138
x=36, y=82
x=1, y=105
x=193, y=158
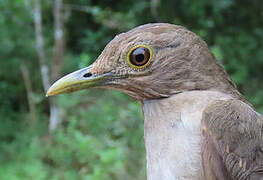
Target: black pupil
x=140, y=56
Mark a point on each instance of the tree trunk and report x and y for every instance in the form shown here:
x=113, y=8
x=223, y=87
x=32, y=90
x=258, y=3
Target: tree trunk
x=40, y=45
x=59, y=47
x=55, y=115
x=29, y=91
x=154, y=5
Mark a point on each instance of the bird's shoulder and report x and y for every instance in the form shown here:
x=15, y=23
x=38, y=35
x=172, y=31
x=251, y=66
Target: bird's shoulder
x=231, y=141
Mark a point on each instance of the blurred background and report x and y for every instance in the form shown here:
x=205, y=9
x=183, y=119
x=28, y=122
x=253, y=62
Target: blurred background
x=98, y=134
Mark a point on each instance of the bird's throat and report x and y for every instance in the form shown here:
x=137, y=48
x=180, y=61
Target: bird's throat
x=172, y=134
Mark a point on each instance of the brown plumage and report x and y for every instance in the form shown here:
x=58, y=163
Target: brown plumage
x=181, y=62
x=197, y=125
x=232, y=134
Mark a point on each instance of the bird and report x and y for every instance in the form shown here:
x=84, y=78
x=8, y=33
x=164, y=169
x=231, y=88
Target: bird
x=197, y=125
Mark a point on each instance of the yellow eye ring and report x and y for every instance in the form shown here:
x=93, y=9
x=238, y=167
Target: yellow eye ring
x=139, y=56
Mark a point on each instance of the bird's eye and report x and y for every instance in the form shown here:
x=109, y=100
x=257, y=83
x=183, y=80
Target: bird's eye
x=139, y=56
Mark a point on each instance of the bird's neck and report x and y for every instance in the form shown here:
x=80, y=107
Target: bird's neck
x=172, y=134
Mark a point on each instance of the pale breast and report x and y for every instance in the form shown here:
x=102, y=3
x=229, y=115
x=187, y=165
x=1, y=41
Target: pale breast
x=172, y=135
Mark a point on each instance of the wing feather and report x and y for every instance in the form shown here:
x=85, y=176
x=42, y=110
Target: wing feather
x=231, y=141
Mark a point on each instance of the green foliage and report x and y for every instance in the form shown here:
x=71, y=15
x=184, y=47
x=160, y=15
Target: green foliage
x=99, y=148
x=101, y=136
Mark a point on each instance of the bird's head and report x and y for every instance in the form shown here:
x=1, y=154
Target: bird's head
x=149, y=62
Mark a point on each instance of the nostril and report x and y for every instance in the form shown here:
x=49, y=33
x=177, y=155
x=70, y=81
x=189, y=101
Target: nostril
x=87, y=75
